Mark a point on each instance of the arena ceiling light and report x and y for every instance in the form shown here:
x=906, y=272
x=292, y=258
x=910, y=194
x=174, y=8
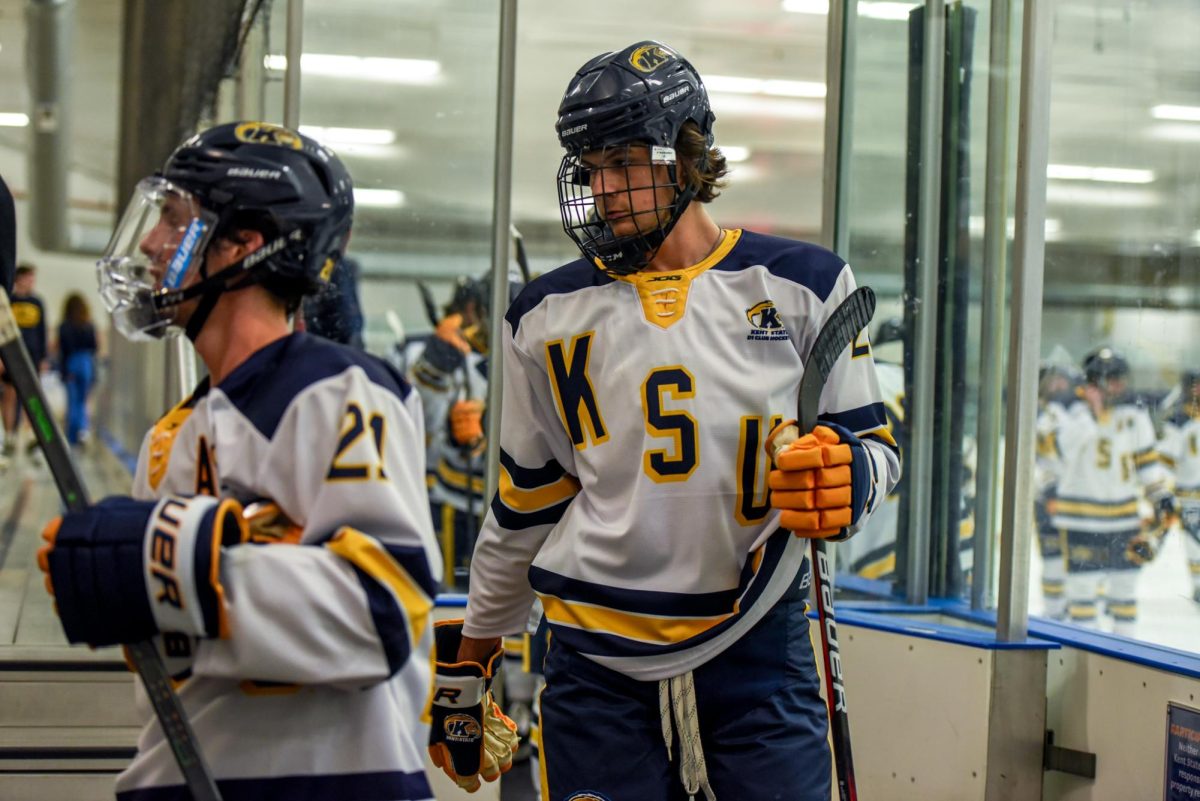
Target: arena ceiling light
x=1100, y=196
x=1181, y=113
x=866, y=8
x=334, y=137
x=775, y=87
x=378, y=198
x=13, y=119
x=416, y=71
x=1108, y=175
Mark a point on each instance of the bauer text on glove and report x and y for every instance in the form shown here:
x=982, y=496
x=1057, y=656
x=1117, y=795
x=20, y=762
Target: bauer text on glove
x=123, y=570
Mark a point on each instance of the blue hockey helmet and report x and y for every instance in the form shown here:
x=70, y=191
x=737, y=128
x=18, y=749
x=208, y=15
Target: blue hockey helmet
x=642, y=95
x=237, y=176
x=1103, y=364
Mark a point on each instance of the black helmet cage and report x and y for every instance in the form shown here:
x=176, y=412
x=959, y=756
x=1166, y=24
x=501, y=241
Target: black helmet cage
x=640, y=96
x=257, y=175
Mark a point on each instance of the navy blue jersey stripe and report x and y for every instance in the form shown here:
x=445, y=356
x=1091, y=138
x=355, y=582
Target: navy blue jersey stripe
x=801, y=263
x=391, y=785
x=864, y=418
x=389, y=619
x=263, y=386
x=414, y=561
x=571, y=277
x=531, y=478
x=515, y=521
x=617, y=646
x=1096, y=501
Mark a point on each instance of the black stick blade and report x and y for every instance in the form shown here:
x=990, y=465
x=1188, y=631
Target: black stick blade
x=838, y=333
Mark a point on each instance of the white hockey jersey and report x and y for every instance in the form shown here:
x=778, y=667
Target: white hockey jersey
x=318, y=690
x=1105, y=468
x=456, y=477
x=632, y=494
x=1180, y=450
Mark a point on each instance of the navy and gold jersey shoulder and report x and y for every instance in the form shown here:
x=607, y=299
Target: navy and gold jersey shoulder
x=571, y=277
x=264, y=385
x=804, y=263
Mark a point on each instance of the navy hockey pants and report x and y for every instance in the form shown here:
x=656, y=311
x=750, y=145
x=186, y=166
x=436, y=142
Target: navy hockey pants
x=762, y=723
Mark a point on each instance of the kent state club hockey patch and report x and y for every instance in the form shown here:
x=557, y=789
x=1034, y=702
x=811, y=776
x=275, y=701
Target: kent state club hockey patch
x=764, y=322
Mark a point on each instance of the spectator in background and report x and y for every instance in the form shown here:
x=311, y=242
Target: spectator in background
x=77, y=360
x=30, y=314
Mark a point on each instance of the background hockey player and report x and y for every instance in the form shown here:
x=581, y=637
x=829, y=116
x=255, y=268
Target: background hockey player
x=1180, y=449
x=1109, y=464
x=450, y=370
x=278, y=543
x=1057, y=385
x=640, y=383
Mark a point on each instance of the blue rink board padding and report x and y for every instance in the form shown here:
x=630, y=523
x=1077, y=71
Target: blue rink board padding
x=1150, y=655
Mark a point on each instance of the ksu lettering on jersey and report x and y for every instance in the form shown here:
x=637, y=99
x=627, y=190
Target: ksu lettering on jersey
x=674, y=345
x=313, y=633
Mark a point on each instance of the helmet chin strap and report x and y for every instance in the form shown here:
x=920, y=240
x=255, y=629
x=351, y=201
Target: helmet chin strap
x=210, y=288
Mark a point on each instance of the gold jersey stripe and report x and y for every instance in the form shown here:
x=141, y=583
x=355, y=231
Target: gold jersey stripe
x=534, y=500
x=369, y=556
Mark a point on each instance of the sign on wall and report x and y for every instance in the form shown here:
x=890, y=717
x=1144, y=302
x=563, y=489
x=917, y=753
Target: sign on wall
x=1182, y=781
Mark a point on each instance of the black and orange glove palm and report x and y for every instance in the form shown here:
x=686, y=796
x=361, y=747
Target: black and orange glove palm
x=470, y=738
x=821, y=480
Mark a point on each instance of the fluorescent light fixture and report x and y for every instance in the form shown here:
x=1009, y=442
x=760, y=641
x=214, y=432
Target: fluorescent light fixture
x=349, y=136
x=879, y=9
x=13, y=119
x=1196, y=237
x=763, y=86
x=1076, y=195
x=384, y=198
x=1109, y=175
x=367, y=68
x=735, y=153
x=1181, y=113
x=975, y=225
x=767, y=107
x=1174, y=132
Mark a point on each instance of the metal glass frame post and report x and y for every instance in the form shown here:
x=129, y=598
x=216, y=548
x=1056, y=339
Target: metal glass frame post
x=919, y=458
x=501, y=227
x=1025, y=325
x=995, y=271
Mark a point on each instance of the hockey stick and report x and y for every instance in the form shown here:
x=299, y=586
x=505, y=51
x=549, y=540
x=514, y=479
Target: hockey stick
x=144, y=655
x=838, y=333
x=522, y=257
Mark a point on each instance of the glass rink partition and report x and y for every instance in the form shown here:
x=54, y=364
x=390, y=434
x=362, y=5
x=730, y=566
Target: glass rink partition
x=1016, y=180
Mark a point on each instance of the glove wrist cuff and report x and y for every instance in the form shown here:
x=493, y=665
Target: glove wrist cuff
x=181, y=562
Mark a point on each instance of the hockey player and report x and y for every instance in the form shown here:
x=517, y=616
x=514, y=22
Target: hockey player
x=277, y=544
x=1108, y=463
x=450, y=370
x=640, y=383
x=1180, y=449
x=1056, y=391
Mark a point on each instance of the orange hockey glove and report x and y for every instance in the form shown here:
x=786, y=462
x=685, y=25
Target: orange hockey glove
x=466, y=422
x=820, y=481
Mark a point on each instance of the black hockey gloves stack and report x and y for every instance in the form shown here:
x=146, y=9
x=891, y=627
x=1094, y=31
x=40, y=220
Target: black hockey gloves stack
x=470, y=736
